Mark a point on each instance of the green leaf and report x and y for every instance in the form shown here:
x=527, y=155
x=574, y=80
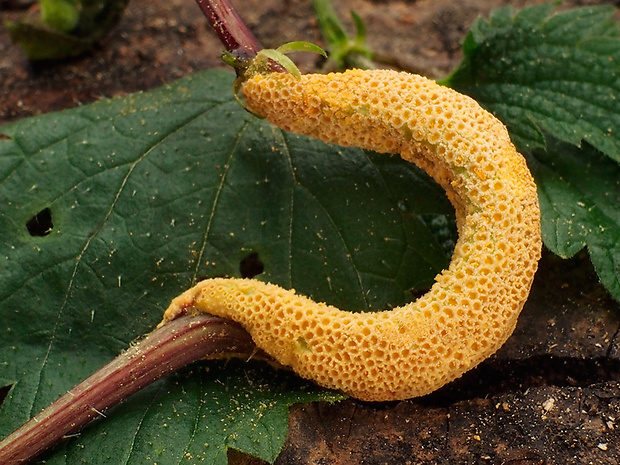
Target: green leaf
x=541, y=73
x=301, y=46
x=345, y=51
x=62, y=15
x=110, y=210
x=196, y=415
x=579, y=193
x=64, y=28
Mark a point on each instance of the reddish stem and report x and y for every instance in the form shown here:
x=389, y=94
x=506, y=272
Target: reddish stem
x=166, y=349
x=230, y=28
x=233, y=32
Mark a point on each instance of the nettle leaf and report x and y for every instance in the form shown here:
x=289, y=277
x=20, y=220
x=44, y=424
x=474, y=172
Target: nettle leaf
x=541, y=73
x=554, y=81
x=579, y=194
x=110, y=210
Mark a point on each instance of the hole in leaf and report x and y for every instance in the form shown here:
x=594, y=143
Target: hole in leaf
x=251, y=266
x=416, y=293
x=41, y=224
x=5, y=137
x=4, y=392
x=234, y=456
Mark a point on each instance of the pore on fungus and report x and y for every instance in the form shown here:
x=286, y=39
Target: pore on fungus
x=473, y=306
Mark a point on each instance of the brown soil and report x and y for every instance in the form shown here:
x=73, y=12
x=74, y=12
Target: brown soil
x=550, y=396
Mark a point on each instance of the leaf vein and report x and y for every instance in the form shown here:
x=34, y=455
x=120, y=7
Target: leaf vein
x=349, y=255
x=218, y=192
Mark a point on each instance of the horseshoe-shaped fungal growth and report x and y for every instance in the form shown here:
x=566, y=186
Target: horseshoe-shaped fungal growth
x=473, y=306
x=410, y=351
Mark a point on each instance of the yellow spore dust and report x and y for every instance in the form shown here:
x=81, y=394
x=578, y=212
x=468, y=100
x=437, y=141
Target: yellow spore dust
x=473, y=306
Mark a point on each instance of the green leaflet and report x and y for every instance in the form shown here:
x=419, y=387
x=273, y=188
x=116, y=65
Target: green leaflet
x=142, y=196
x=554, y=81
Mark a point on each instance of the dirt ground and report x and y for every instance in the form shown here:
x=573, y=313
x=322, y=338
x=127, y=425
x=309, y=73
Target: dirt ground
x=552, y=393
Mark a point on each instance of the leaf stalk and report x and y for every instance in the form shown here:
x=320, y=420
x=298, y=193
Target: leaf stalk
x=166, y=349
x=230, y=28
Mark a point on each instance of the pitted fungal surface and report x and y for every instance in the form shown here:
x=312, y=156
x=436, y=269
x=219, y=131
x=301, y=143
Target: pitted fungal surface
x=473, y=306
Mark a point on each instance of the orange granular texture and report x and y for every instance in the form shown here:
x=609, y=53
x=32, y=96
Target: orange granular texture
x=473, y=306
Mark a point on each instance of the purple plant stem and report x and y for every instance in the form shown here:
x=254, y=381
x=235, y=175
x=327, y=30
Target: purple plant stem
x=233, y=32
x=230, y=28
x=166, y=349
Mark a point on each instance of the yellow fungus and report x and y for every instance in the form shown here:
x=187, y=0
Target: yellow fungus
x=473, y=306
